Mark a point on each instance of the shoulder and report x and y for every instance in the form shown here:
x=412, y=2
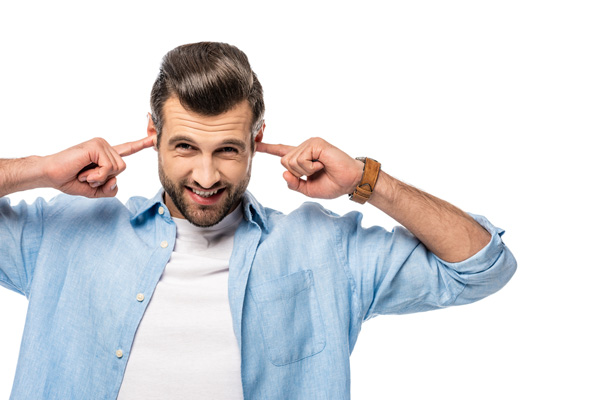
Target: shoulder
x=74, y=205
x=315, y=217
x=312, y=212
x=64, y=205
x=309, y=216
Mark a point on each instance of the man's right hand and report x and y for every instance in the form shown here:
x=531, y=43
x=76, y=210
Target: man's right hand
x=89, y=169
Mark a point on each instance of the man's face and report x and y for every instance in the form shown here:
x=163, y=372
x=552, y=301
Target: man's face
x=204, y=162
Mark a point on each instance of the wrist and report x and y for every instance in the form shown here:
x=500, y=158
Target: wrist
x=44, y=171
x=34, y=172
x=365, y=187
x=358, y=169
x=387, y=192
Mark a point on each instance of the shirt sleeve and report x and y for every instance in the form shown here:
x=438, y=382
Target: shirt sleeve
x=394, y=273
x=21, y=229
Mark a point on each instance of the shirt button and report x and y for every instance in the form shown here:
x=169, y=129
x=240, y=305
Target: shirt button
x=161, y=210
x=140, y=297
x=164, y=244
x=119, y=353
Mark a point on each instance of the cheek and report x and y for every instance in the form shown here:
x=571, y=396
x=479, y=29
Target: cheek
x=175, y=166
x=235, y=170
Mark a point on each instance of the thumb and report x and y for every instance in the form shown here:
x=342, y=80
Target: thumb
x=294, y=183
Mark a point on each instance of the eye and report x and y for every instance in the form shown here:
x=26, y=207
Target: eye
x=183, y=146
x=228, y=149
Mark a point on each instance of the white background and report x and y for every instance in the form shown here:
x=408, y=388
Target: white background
x=489, y=105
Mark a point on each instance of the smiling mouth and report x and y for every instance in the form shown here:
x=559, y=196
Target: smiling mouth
x=206, y=193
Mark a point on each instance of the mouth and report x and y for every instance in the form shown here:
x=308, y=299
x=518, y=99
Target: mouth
x=205, y=194
x=205, y=197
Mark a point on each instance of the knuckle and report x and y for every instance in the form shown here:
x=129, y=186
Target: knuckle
x=319, y=141
x=98, y=141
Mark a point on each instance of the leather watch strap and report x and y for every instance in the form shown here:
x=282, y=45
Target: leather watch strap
x=365, y=188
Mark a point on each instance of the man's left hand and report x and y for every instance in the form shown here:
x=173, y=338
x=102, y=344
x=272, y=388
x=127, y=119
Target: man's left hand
x=329, y=172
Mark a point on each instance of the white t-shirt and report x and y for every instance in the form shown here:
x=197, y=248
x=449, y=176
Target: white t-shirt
x=185, y=347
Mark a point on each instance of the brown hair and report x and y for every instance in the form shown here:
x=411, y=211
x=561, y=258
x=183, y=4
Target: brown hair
x=208, y=78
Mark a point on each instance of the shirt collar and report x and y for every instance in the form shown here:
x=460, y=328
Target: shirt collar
x=252, y=209
x=149, y=204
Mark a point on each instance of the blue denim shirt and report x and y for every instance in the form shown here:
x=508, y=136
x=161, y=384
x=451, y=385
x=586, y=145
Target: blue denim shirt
x=300, y=287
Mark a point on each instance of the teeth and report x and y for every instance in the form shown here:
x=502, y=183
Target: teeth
x=204, y=194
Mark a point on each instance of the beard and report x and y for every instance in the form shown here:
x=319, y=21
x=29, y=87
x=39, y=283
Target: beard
x=201, y=215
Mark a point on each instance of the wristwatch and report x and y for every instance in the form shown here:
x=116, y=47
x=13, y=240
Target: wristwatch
x=363, y=191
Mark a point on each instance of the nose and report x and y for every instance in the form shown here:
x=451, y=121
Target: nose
x=206, y=174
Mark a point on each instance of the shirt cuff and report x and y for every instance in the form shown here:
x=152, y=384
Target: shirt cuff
x=484, y=258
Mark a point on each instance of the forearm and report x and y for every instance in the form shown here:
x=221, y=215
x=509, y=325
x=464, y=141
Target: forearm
x=21, y=174
x=448, y=232
x=445, y=230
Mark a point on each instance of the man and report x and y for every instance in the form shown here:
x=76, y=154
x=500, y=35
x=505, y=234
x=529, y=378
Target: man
x=201, y=292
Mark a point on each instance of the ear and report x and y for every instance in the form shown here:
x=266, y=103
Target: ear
x=151, y=130
x=259, y=136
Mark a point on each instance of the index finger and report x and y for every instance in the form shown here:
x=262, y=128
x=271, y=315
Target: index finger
x=129, y=148
x=274, y=149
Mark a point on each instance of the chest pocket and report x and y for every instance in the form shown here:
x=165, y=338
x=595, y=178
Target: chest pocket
x=291, y=321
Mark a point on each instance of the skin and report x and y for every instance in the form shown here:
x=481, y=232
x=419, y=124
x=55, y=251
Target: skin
x=210, y=154
x=63, y=170
x=214, y=153
x=318, y=169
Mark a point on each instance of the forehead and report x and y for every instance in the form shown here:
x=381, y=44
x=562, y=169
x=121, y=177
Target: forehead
x=177, y=119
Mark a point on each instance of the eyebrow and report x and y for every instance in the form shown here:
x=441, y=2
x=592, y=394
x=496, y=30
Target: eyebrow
x=231, y=142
